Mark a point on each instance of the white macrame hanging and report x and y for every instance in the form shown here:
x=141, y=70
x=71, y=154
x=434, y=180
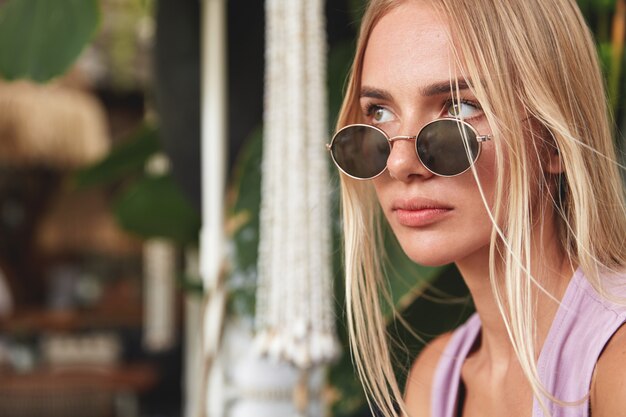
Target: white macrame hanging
x=295, y=318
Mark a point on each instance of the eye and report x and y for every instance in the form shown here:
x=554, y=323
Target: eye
x=463, y=109
x=379, y=114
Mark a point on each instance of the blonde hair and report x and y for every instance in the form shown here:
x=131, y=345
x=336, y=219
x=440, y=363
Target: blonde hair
x=545, y=60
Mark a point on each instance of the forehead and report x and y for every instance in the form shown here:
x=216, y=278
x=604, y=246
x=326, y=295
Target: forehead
x=408, y=47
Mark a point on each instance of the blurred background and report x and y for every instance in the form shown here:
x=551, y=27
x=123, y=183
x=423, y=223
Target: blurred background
x=100, y=201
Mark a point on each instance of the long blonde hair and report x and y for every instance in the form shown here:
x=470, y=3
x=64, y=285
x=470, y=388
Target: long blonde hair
x=545, y=60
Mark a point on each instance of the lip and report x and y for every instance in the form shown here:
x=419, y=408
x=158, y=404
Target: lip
x=419, y=212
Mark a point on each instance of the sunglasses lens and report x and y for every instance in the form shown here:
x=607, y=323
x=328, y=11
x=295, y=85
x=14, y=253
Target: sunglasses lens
x=443, y=147
x=360, y=151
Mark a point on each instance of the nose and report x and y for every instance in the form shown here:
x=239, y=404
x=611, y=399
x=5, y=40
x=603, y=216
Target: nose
x=403, y=163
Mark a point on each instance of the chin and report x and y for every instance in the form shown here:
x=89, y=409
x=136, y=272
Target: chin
x=440, y=253
x=431, y=256
x=430, y=261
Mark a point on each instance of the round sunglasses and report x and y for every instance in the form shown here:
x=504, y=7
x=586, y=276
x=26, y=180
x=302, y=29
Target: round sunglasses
x=446, y=147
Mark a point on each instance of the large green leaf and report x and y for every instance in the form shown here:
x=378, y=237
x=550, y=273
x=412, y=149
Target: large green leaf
x=40, y=39
x=155, y=207
x=125, y=160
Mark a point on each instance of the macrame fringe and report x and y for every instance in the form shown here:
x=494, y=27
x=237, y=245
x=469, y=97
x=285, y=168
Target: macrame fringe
x=295, y=318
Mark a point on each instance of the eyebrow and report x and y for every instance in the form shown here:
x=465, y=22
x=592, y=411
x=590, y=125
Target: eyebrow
x=430, y=90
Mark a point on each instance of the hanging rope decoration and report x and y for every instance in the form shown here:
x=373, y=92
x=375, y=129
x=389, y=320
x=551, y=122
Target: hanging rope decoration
x=295, y=318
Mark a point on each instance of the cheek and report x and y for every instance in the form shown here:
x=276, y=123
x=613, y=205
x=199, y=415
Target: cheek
x=443, y=243
x=532, y=178
x=487, y=172
x=383, y=186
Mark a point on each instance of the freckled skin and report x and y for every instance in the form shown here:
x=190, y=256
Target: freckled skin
x=407, y=51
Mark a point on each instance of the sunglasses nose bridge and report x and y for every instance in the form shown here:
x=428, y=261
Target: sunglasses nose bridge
x=395, y=138
x=404, y=137
x=404, y=162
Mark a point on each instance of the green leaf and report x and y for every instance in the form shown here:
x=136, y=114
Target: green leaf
x=40, y=39
x=346, y=388
x=155, y=207
x=246, y=182
x=605, y=5
x=584, y=5
x=406, y=278
x=245, y=190
x=123, y=161
x=339, y=61
x=357, y=8
x=443, y=306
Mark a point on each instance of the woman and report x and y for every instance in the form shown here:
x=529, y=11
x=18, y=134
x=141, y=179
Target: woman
x=482, y=136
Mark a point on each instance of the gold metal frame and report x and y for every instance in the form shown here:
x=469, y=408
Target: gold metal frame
x=479, y=139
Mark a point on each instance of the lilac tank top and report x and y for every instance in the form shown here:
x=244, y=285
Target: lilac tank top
x=582, y=326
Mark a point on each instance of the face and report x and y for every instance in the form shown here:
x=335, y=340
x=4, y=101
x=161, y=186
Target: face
x=407, y=71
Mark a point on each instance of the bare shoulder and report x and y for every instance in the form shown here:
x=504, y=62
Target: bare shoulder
x=419, y=382
x=608, y=390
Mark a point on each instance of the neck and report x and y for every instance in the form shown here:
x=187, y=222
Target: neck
x=549, y=268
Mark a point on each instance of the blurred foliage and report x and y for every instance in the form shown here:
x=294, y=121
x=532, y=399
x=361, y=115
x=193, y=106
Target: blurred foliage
x=244, y=201
x=607, y=20
x=339, y=61
x=40, y=39
x=148, y=205
x=125, y=41
x=154, y=207
x=126, y=160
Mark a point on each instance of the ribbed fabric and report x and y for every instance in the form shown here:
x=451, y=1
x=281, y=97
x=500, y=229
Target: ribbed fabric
x=582, y=326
